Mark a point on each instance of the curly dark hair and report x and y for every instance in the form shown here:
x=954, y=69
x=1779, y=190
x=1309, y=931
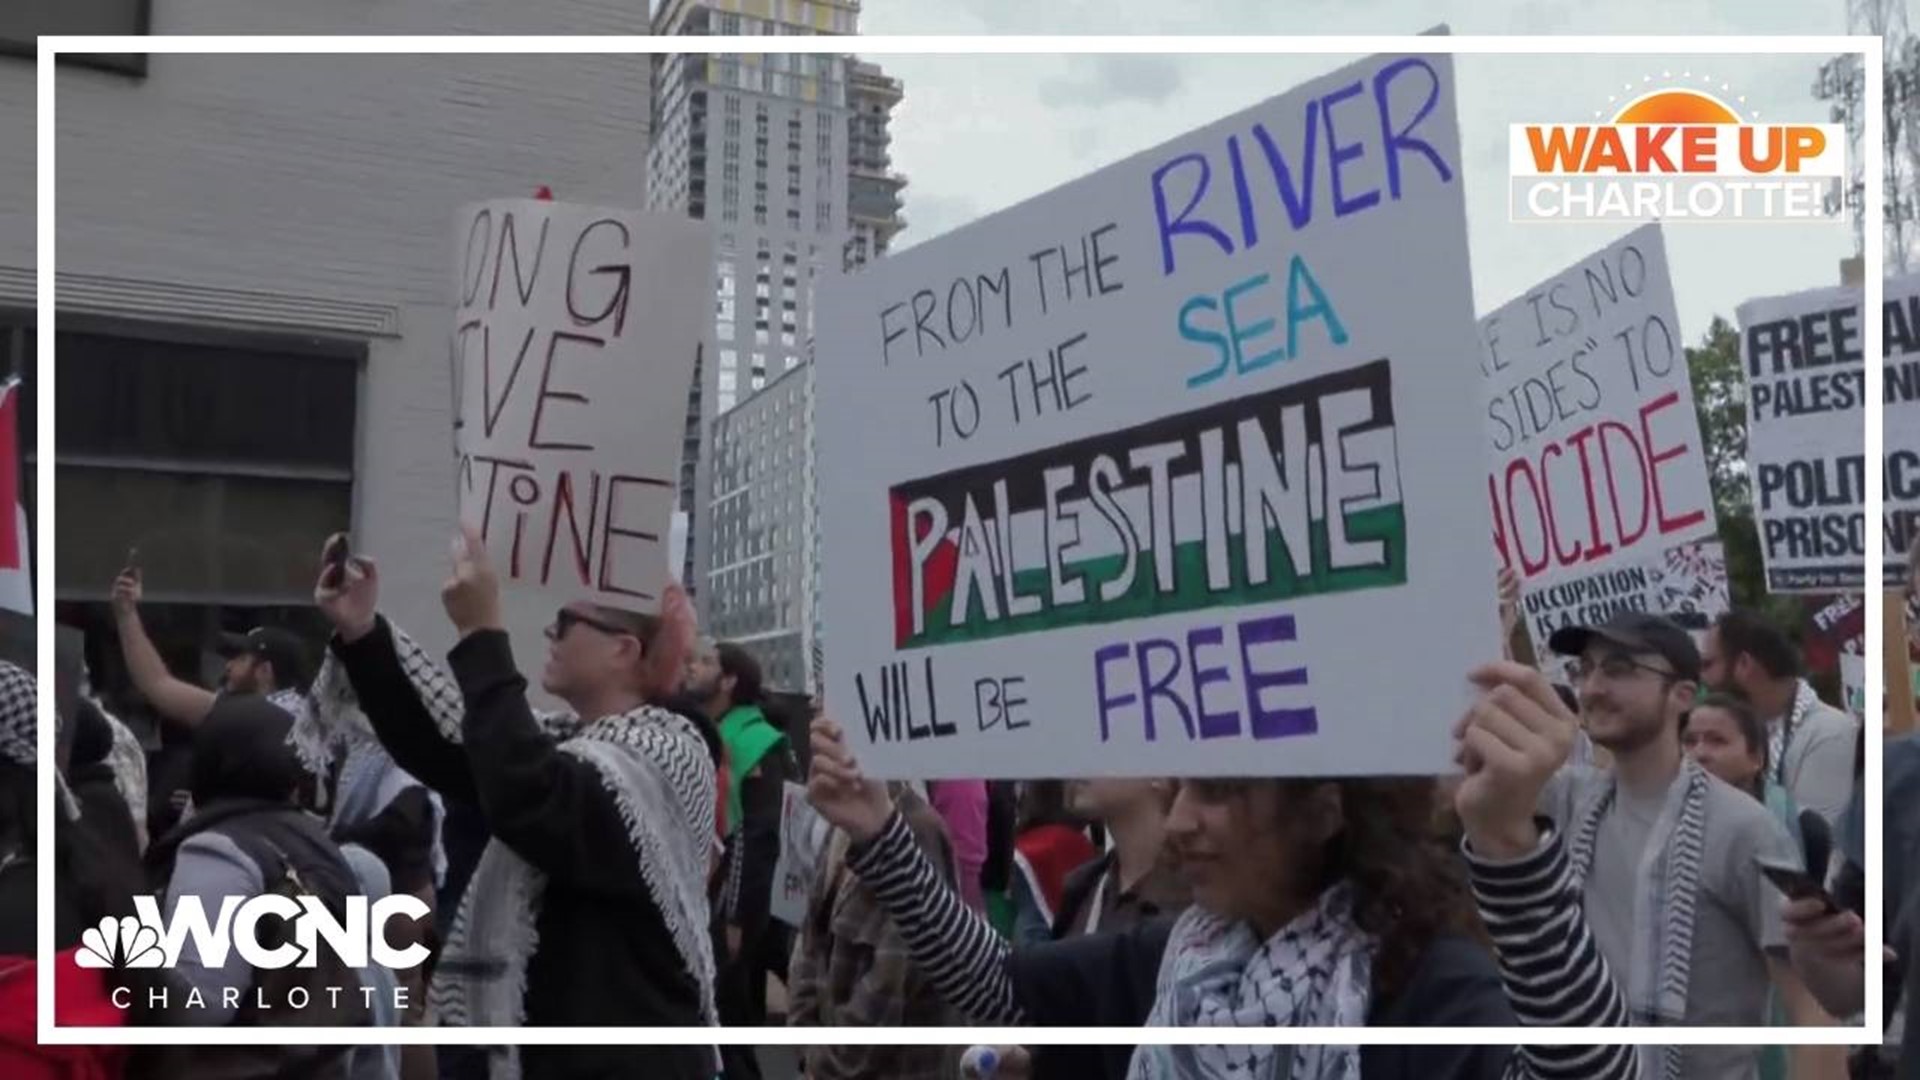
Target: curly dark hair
x=1409, y=886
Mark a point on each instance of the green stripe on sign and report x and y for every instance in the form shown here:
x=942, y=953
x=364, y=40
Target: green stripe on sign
x=1387, y=523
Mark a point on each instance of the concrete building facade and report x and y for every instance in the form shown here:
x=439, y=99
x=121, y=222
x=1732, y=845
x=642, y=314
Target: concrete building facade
x=765, y=534
x=255, y=279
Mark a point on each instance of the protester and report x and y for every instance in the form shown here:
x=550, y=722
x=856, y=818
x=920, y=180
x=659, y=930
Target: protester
x=963, y=807
x=248, y=837
x=378, y=808
x=1136, y=879
x=1664, y=853
x=852, y=969
x=265, y=660
x=1323, y=903
x=562, y=923
x=727, y=680
x=1829, y=947
x=384, y=1062
x=1051, y=843
x=88, y=886
x=996, y=873
x=96, y=789
x=1809, y=743
x=1725, y=737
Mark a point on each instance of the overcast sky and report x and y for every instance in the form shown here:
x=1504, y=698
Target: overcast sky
x=977, y=134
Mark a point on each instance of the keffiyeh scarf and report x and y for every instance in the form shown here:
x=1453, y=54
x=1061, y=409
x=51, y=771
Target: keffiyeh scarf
x=1780, y=736
x=329, y=728
x=1666, y=892
x=1316, y=972
x=20, y=729
x=656, y=765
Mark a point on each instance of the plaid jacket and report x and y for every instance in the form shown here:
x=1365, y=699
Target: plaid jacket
x=851, y=969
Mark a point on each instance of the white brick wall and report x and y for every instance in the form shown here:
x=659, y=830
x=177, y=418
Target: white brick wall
x=336, y=178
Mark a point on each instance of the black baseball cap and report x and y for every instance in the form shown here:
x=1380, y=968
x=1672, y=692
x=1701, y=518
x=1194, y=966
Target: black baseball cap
x=1638, y=633
x=281, y=648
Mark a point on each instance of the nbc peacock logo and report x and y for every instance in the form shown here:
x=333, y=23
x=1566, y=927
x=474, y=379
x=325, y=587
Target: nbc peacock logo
x=1675, y=149
x=122, y=943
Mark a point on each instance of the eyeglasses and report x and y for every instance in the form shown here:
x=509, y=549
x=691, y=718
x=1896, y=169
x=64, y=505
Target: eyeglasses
x=1615, y=667
x=566, y=619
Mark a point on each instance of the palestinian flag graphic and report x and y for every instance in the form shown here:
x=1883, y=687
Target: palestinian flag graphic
x=1286, y=493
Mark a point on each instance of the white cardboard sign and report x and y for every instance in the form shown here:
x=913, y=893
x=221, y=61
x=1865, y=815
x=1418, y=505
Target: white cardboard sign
x=803, y=840
x=1806, y=438
x=1598, y=477
x=1900, y=428
x=575, y=336
x=1157, y=473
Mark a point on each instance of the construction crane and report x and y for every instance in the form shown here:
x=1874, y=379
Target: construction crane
x=1841, y=82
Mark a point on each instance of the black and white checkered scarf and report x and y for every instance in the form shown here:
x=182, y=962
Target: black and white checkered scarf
x=19, y=715
x=1317, y=971
x=20, y=728
x=1666, y=893
x=656, y=765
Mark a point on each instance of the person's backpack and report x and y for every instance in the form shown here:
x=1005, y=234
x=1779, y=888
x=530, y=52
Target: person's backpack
x=275, y=987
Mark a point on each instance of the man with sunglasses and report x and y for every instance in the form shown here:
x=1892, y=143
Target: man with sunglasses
x=1663, y=853
x=588, y=905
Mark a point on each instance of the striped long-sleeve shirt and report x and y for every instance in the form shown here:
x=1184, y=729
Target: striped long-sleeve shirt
x=1553, y=974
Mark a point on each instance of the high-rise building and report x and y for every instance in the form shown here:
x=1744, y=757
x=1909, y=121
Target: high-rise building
x=873, y=188
x=756, y=145
x=747, y=479
x=761, y=590
x=762, y=146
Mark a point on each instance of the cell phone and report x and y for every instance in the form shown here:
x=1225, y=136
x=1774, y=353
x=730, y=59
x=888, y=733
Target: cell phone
x=1794, y=882
x=133, y=560
x=338, y=552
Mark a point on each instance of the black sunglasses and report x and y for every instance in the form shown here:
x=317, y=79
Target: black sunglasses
x=566, y=619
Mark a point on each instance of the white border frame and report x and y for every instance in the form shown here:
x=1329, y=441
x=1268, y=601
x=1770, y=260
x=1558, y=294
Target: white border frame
x=1868, y=48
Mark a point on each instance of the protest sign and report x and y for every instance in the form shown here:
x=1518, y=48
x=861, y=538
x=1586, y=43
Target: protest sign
x=1598, y=479
x=1900, y=426
x=1806, y=444
x=803, y=839
x=1835, y=625
x=1853, y=684
x=575, y=337
x=1158, y=472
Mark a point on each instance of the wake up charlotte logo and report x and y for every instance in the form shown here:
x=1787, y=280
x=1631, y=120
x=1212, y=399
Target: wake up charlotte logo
x=268, y=933
x=1675, y=154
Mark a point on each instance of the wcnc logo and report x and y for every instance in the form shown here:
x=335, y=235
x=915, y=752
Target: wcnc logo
x=147, y=940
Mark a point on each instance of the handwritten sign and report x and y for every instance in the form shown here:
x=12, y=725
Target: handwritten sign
x=1806, y=439
x=803, y=839
x=575, y=337
x=1152, y=474
x=1598, y=478
x=1900, y=425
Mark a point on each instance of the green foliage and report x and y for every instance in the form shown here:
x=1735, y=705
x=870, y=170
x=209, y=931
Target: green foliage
x=1720, y=399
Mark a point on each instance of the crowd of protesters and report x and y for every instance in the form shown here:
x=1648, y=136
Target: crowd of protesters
x=1596, y=862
